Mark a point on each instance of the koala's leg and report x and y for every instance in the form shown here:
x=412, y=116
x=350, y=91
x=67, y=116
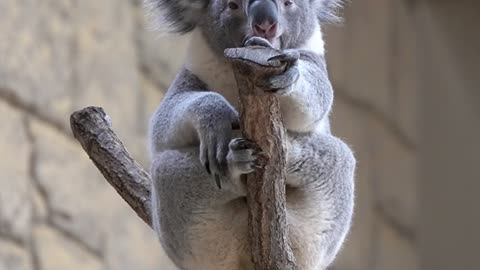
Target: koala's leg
x=320, y=171
x=185, y=196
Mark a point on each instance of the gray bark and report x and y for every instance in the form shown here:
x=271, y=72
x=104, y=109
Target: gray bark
x=91, y=128
x=261, y=122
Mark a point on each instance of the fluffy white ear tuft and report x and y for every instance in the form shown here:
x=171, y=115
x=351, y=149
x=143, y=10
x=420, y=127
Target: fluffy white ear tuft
x=174, y=16
x=328, y=10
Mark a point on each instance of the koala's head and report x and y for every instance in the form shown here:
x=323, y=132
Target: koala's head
x=228, y=23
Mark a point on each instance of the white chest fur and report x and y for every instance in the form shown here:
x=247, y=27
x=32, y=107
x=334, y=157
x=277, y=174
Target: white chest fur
x=315, y=43
x=218, y=74
x=212, y=70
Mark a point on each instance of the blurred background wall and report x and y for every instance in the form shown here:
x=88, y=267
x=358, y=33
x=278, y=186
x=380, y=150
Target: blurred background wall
x=56, y=56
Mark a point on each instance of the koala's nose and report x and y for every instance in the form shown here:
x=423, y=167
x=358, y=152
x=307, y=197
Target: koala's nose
x=266, y=29
x=264, y=18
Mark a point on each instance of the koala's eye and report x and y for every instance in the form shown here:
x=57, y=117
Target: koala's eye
x=232, y=5
x=288, y=3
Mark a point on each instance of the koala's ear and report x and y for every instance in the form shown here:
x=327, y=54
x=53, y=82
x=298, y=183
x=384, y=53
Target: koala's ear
x=328, y=10
x=175, y=16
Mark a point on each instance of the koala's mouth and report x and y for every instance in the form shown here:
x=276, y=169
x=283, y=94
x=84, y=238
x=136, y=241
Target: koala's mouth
x=275, y=42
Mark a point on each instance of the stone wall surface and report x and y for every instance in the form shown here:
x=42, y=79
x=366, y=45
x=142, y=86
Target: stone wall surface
x=56, y=56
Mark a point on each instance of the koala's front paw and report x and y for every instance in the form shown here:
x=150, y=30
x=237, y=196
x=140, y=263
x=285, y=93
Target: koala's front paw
x=242, y=157
x=214, y=139
x=283, y=83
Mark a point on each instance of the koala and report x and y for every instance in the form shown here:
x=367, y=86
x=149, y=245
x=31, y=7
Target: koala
x=194, y=140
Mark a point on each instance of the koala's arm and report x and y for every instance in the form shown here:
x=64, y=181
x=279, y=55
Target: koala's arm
x=320, y=167
x=191, y=115
x=187, y=107
x=320, y=181
x=310, y=100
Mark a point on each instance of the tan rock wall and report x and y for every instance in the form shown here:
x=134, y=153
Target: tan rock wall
x=448, y=34
x=373, y=69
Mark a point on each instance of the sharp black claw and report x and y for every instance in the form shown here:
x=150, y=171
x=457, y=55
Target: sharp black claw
x=276, y=57
x=217, y=180
x=285, y=57
x=235, y=126
x=274, y=90
x=207, y=167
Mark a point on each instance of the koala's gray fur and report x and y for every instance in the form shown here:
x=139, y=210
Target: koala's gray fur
x=202, y=227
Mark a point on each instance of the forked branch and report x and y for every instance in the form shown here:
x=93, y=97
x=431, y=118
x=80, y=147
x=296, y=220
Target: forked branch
x=260, y=121
x=91, y=127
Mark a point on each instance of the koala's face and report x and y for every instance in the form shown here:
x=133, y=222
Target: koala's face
x=228, y=23
x=285, y=23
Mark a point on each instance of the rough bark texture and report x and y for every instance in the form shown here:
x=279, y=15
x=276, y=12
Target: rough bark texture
x=261, y=121
x=91, y=127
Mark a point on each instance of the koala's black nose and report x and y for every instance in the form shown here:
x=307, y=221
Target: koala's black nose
x=264, y=18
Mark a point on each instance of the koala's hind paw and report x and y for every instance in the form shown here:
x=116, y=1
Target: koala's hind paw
x=242, y=156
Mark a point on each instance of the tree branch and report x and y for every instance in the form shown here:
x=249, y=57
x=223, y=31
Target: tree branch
x=261, y=121
x=91, y=127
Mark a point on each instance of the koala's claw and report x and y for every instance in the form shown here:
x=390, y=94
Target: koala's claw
x=218, y=182
x=289, y=56
x=213, y=154
x=243, y=144
x=217, y=170
x=207, y=167
x=243, y=156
